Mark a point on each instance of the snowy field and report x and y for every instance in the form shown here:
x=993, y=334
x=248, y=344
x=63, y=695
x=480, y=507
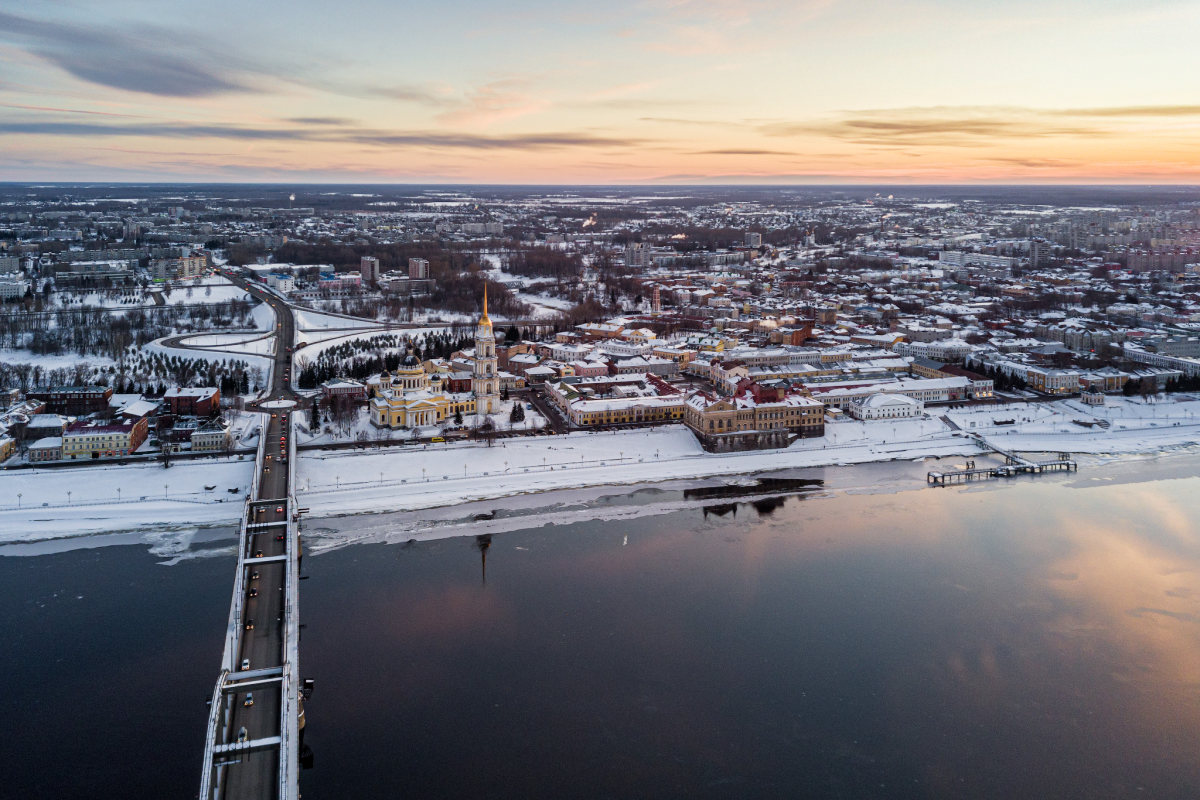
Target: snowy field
x=35, y=504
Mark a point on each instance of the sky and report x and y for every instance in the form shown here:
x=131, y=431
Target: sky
x=624, y=91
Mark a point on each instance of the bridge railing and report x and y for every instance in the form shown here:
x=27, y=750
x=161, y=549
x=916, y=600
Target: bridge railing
x=233, y=627
x=289, y=706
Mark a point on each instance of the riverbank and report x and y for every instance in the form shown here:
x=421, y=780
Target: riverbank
x=352, y=482
x=331, y=484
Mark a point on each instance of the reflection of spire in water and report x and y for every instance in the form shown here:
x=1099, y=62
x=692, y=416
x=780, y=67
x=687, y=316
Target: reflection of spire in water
x=483, y=542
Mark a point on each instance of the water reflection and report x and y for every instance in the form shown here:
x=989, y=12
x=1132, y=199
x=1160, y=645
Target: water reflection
x=1034, y=641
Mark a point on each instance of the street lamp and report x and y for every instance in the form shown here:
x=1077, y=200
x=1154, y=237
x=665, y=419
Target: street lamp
x=18, y=499
x=166, y=487
x=68, y=497
x=118, y=494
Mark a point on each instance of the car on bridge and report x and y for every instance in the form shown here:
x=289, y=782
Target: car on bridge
x=249, y=701
x=245, y=664
x=249, y=624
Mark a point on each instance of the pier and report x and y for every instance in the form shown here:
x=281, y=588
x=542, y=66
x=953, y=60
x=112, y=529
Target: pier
x=1014, y=465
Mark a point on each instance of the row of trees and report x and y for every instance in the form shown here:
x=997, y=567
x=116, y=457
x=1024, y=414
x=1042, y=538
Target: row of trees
x=91, y=330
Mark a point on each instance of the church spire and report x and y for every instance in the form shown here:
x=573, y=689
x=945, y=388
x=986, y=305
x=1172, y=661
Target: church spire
x=484, y=318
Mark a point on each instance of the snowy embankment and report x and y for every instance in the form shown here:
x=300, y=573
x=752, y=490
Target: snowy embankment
x=39, y=504
x=349, y=482
x=344, y=482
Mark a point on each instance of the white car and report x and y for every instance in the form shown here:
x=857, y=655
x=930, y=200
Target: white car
x=245, y=663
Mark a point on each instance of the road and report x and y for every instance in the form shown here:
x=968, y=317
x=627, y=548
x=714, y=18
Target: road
x=255, y=774
x=554, y=416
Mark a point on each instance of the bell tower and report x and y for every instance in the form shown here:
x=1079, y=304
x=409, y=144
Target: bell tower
x=485, y=382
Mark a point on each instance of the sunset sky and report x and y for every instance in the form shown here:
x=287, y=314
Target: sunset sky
x=625, y=91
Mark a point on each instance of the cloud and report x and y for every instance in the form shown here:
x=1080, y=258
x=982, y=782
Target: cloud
x=362, y=136
x=955, y=127
x=743, y=152
x=320, y=121
x=491, y=103
x=1036, y=163
x=412, y=93
x=1132, y=111
x=141, y=60
x=57, y=110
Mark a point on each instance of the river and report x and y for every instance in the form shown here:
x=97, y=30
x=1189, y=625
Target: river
x=814, y=636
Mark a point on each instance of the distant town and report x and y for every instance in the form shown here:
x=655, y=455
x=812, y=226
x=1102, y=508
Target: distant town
x=752, y=319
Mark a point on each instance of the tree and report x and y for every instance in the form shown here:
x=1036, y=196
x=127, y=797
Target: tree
x=315, y=418
x=518, y=413
x=458, y=417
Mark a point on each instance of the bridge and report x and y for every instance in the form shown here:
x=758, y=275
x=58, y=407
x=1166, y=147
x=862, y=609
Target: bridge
x=256, y=712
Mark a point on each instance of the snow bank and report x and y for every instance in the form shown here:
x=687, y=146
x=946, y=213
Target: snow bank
x=35, y=505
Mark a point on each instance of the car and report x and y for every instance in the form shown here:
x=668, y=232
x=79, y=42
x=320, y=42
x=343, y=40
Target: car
x=266, y=469
x=279, y=537
x=254, y=575
x=254, y=591
x=243, y=735
x=258, y=553
x=249, y=624
x=278, y=509
x=268, y=456
x=249, y=701
x=438, y=439
x=245, y=663
x=274, y=415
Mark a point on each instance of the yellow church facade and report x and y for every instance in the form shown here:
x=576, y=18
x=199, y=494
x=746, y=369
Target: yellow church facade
x=411, y=398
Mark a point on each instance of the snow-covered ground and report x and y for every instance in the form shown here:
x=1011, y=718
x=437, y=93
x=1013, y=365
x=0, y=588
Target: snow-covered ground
x=250, y=347
x=264, y=363
x=35, y=504
x=317, y=343
x=545, y=307
x=62, y=361
x=308, y=320
x=359, y=428
x=348, y=482
x=210, y=290
x=262, y=344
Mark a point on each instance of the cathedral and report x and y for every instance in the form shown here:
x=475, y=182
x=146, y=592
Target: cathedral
x=411, y=398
